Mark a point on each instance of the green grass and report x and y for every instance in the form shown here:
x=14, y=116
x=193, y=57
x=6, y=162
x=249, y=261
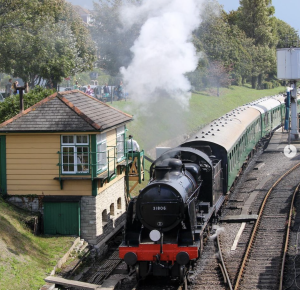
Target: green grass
x=25, y=259
x=151, y=130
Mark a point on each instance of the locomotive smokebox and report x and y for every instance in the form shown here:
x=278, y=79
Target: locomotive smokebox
x=161, y=205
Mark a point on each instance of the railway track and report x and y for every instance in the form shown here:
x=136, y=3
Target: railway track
x=210, y=272
x=289, y=276
x=261, y=264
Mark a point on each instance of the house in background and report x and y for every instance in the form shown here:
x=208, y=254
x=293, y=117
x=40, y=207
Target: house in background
x=85, y=14
x=65, y=157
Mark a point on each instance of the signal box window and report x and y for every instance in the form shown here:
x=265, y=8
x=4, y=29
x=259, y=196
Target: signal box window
x=101, y=152
x=120, y=143
x=75, y=154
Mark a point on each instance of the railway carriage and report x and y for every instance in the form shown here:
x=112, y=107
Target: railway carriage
x=167, y=221
x=230, y=139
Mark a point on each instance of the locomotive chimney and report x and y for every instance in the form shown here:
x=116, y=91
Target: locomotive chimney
x=171, y=165
x=162, y=172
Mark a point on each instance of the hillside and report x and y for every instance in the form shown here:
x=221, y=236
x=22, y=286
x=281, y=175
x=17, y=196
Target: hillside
x=25, y=259
x=150, y=131
x=203, y=108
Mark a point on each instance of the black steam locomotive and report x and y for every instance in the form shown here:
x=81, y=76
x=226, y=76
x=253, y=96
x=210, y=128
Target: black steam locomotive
x=167, y=221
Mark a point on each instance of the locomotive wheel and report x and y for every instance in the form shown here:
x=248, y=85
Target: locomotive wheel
x=137, y=272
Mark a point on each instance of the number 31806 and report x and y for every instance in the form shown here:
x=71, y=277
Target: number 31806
x=159, y=208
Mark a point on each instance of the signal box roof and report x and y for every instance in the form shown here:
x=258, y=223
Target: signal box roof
x=70, y=111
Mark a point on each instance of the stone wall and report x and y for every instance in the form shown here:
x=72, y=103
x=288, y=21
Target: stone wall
x=94, y=229
x=29, y=203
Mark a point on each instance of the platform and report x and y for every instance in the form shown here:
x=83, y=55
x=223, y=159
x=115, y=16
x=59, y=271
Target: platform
x=279, y=140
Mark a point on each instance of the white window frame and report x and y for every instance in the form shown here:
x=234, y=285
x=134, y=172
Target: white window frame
x=120, y=140
x=101, y=152
x=74, y=145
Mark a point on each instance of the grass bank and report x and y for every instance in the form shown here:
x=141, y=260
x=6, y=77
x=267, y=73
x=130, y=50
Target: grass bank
x=203, y=108
x=25, y=259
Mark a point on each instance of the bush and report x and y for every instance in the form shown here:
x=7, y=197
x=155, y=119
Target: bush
x=275, y=83
x=237, y=80
x=11, y=105
x=267, y=85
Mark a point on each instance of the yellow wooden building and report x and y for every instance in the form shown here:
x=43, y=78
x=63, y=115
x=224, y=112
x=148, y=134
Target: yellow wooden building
x=66, y=157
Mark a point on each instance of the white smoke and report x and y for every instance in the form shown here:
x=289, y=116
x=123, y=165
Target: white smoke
x=218, y=231
x=163, y=53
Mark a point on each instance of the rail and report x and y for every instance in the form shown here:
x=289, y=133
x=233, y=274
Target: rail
x=254, y=232
x=287, y=237
x=222, y=265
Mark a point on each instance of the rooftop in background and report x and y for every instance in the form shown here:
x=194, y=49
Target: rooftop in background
x=85, y=14
x=68, y=111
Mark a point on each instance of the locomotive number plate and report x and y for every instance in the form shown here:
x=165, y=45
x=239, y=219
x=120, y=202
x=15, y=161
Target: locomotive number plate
x=159, y=208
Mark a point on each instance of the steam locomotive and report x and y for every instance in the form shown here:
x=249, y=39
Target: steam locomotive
x=167, y=221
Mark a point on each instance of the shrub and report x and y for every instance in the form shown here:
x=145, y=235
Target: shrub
x=275, y=83
x=11, y=105
x=267, y=85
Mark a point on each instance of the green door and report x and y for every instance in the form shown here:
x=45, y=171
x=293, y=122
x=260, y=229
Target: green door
x=62, y=218
x=3, y=188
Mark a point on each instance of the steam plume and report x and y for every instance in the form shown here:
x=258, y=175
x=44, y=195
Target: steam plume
x=163, y=53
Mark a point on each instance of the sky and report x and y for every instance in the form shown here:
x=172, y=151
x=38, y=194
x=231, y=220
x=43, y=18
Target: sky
x=286, y=10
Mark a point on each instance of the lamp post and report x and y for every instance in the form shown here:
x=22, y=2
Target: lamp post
x=21, y=89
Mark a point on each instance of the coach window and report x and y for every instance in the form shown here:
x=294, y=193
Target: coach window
x=75, y=153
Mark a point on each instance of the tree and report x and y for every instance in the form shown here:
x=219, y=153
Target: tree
x=255, y=20
x=219, y=75
x=113, y=42
x=57, y=42
x=286, y=34
x=221, y=41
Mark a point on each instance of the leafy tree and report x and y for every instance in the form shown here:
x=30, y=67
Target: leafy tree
x=256, y=21
x=113, y=42
x=221, y=41
x=286, y=34
x=57, y=42
x=11, y=105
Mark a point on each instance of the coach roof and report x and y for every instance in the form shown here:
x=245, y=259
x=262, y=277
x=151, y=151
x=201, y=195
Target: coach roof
x=226, y=130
